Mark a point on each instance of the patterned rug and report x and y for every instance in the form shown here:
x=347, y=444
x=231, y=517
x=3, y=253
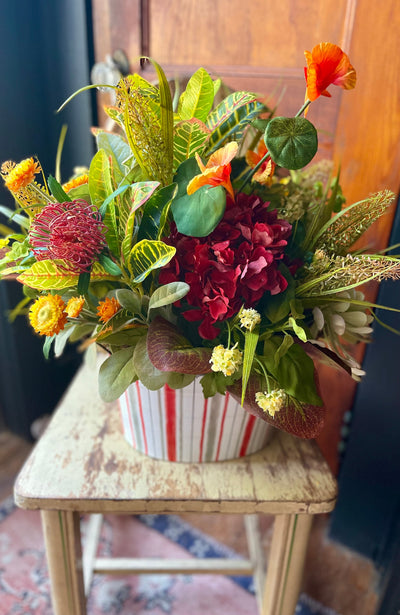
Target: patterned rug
x=24, y=583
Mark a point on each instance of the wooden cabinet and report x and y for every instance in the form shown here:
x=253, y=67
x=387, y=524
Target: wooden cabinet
x=259, y=46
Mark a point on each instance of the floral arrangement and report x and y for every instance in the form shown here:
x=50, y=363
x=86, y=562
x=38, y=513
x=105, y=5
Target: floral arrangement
x=202, y=242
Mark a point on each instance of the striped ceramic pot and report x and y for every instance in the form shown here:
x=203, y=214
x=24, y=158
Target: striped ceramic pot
x=180, y=425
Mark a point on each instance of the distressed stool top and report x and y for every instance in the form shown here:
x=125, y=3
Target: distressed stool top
x=83, y=463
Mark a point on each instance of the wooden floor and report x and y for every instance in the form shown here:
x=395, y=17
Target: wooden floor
x=334, y=575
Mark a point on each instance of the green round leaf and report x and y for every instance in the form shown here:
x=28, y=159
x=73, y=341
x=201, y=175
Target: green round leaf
x=291, y=141
x=198, y=214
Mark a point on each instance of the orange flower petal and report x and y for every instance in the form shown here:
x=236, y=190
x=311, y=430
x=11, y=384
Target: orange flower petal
x=224, y=155
x=327, y=64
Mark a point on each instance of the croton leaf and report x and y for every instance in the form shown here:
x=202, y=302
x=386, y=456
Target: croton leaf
x=306, y=423
x=51, y=275
x=197, y=100
x=146, y=256
x=198, y=214
x=189, y=138
x=153, y=209
x=229, y=120
x=291, y=141
x=141, y=192
x=170, y=351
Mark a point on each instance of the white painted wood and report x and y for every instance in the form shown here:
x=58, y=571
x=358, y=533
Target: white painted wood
x=61, y=532
x=90, y=551
x=257, y=555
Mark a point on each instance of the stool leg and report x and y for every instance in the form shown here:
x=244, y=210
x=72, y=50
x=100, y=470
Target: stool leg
x=64, y=558
x=285, y=565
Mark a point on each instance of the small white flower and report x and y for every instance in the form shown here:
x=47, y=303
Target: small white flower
x=226, y=360
x=249, y=318
x=271, y=402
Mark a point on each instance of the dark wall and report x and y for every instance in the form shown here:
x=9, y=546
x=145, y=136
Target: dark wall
x=44, y=51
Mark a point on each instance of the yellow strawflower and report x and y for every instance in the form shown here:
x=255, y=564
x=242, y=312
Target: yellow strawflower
x=20, y=175
x=75, y=182
x=47, y=315
x=74, y=306
x=107, y=308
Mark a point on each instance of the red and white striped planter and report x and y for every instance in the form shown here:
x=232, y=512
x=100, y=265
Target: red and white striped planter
x=180, y=425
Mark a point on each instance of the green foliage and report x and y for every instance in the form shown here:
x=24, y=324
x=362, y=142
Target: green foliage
x=250, y=345
x=198, y=214
x=141, y=192
x=155, y=213
x=189, y=138
x=197, y=100
x=168, y=293
x=116, y=374
x=150, y=376
x=147, y=255
x=292, y=142
x=148, y=122
x=57, y=190
x=294, y=372
x=228, y=121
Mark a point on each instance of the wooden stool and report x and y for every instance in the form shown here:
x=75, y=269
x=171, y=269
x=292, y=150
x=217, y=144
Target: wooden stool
x=82, y=464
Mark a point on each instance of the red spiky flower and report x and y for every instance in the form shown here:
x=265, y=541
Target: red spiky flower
x=72, y=232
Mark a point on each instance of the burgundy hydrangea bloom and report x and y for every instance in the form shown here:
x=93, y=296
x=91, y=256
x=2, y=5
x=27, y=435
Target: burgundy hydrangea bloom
x=235, y=265
x=73, y=232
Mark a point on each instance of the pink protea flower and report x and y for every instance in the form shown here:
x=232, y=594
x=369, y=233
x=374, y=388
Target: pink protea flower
x=72, y=232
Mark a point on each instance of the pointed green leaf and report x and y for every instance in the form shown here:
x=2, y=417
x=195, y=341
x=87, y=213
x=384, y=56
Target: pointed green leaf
x=291, y=141
x=229, y=120
x=47, y=346
x=100, y=188
x=299, y=331
x=151, y=226
x=109, y=265
x=190, y=137
x=168, y=293
x=141, y=192
x=116, y=374
x=250, y=345
x=57, y=190
x=198, y=214
x=117, y=148
x=146, y=256
x=197, y=100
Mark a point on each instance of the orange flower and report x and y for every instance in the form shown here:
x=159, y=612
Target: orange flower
x=20, y=175
x=264, y=174
x=327, y=64
x=74, y=306
x=75, y=182
x=217, y=171
x=107, y=308
x=47, y=315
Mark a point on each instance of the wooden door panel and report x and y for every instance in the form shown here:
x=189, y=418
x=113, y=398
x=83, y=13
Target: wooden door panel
x=258, y=46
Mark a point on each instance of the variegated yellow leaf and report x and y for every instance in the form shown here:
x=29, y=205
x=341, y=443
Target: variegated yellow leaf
x=50, y=275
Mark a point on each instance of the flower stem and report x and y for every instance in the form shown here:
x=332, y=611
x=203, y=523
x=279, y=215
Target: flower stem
x=252, y=171
x=303, y=108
